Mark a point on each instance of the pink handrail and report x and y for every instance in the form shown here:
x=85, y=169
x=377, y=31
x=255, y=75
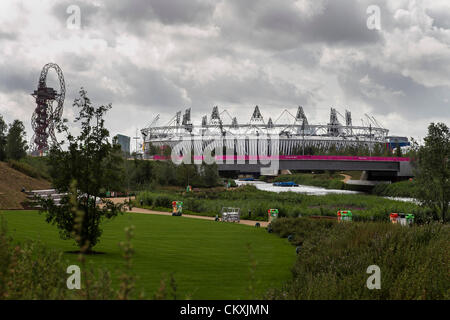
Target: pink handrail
x=296, y=157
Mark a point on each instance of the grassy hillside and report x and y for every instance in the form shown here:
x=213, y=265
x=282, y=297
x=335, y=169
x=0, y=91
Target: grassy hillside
x=209, y=260
x=11, y=183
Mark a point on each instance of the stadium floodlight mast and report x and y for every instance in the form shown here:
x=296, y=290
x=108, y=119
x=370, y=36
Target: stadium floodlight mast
x=45, y=117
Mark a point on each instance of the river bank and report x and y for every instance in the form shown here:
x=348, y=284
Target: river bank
x=254, y=199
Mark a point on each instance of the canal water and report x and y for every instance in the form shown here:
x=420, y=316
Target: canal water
x=310, y=190
x=318, y=191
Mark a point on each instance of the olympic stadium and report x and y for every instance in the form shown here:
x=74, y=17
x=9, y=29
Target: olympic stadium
x=293, y=133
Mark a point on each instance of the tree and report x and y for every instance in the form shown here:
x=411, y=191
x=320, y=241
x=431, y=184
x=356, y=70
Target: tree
x=93, y=164
x=412, y=150
x=433, y=169
x=3, y=140
x=187, y=174
x=140, y=173
x=210, y=174
x=167, y=151
x=16, y=144
x=377, y=150
x=398, y=151
x=387, y=151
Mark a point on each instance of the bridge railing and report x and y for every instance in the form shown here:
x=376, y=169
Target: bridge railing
x=296, y=157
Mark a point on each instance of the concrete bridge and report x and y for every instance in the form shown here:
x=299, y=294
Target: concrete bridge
x=377, y=168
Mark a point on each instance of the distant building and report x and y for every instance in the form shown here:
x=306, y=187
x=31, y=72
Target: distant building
x=124, y=142
x=395, y=141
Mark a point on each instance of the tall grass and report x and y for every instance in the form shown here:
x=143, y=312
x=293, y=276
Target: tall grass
x=397, y=189
x=334, y=257
x=27, y=169
x=326, y=180
x=255, y=203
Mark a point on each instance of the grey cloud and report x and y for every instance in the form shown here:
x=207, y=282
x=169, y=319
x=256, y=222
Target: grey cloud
x=238, y=92
x=4, y=35
x=396, y=93
x=77, y=62
x=307, y=57
x=441, y=19
x=17, y=78
x=136, y=13
x=341, y=22
x=180, y=11
x=151, y=88
x=278, y=25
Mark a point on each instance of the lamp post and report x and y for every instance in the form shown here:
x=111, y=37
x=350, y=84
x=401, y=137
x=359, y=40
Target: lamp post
x=303, y=136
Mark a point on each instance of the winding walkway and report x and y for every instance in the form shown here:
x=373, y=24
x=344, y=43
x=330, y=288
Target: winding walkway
x=146, y=211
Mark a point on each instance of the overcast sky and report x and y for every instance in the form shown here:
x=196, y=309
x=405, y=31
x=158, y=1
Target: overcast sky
x=150, y=57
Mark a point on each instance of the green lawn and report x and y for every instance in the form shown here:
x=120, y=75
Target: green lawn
x=209, y=259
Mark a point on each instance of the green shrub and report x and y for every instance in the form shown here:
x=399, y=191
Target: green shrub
x=232, y=183
x=193, y=205
x=148, y=201
x=40, y=164
x=397, y=189
x=25, y=169
x=336, y=184
x=163, y=202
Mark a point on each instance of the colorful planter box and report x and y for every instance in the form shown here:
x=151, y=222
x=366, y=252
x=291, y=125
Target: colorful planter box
x=344, y=215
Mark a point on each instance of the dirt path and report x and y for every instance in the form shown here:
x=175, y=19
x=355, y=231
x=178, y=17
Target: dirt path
x=146, y=211
x=346, y=177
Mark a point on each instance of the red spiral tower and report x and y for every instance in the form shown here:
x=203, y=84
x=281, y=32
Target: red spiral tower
x=45, y=117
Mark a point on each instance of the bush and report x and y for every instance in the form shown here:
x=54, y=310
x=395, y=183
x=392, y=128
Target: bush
x=163, y=202
x=147, y=198
x=26, y=169
x=193, y=205
x=336, y=184
x=232, y=183
x=397, y=189
x=40, y=164
x=148, y=201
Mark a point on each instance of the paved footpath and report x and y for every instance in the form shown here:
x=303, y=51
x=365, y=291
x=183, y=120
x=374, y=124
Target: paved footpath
x=146, y=211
